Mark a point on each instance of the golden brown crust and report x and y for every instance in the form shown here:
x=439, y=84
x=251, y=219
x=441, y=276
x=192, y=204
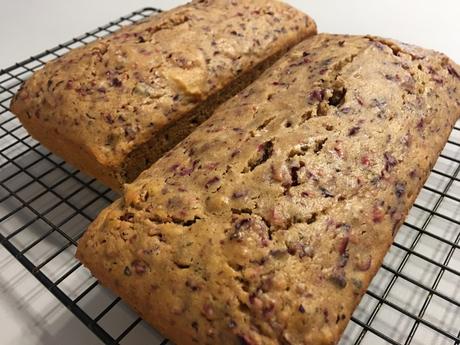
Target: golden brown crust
x=110, y=97
x=267, y=223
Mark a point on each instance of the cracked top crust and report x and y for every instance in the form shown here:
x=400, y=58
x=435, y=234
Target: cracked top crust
x=267, y=223
x=113, y=94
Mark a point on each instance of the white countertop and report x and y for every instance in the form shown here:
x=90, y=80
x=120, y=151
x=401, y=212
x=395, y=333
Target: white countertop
x=29, y=314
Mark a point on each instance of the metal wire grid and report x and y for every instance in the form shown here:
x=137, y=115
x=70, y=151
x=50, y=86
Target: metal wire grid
x=45, y=206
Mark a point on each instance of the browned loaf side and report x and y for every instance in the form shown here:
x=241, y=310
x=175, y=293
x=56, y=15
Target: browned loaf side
x=115, y=106
x=267, y=223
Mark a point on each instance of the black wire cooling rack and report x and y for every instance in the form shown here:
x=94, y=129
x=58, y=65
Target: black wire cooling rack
x=45, y=206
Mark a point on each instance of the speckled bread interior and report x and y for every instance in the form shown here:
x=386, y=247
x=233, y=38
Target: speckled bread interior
x=113, y=107
x=267, y=223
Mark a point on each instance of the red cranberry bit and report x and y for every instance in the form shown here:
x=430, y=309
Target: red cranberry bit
x=235, y=153
x=400, y=189
x=343, y=259
x=253, y=298
x=276, y=218
x=264, y=152
x=377, y=214
x=406, y=140
x=365, y=160
x=364, y=265
x=239, y=194
x=338, y=150
x=408, y=84
x=392, y=77
x=353, y=130
x=211, y=166
x=359, y=100
x=174, y=167
x=378, y=45
x=452, y=71
x=338, y=278
x=140, y=267
x=316, y=95
x=312, y=176
x=277, y=253
x=421, y=124
x=267, y=310
x=434, y=76
x=69, y=85
x=109, y=119
x=397, y=216
x=343, y=244
x=208, y=311
x=390, y=161
x=300, y=249
x=212, y=181
x=185, y=171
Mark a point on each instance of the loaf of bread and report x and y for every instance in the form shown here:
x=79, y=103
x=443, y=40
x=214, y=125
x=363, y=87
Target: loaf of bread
x=267, y=223
x=113, y=107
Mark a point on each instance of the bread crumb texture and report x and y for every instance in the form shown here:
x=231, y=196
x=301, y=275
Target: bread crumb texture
x=267, y=223
x=104, y=100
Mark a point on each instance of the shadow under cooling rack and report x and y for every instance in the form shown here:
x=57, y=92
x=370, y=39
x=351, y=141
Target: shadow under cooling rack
x=45, y=206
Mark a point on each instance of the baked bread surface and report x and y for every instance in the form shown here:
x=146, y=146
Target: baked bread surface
x=113, y=107
x=266, y=225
